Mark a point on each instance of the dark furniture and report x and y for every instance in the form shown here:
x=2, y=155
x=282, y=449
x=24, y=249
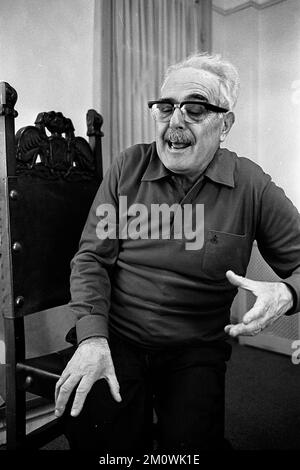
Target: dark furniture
x=49, y=179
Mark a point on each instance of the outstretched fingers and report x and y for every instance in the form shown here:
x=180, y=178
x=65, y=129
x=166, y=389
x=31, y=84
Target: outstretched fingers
x=114, y=386
x=243, y=330
x=240, y=281
x=253, y=321
x=63, y=390
x=83, y=389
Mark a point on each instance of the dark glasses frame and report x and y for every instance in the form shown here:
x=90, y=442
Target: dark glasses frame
x=208, y=106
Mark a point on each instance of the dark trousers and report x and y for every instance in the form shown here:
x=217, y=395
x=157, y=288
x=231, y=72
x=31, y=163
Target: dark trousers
x=185, y=387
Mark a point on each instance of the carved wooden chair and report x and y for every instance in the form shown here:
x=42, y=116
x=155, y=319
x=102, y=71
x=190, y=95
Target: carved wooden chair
x=49, y=178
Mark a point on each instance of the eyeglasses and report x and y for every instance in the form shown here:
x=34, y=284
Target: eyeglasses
x=192, y=111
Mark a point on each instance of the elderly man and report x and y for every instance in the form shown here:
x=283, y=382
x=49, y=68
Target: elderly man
x=153, y=311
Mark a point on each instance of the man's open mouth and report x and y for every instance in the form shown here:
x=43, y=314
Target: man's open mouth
x=178, y=145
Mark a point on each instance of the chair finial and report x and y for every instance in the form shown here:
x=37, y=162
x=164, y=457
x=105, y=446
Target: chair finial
x=8, y=99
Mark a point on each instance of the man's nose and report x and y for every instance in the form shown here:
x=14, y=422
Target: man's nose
x=177, y=119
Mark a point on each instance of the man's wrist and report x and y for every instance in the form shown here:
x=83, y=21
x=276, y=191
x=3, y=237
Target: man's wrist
x=288, y=295
x=101, y=340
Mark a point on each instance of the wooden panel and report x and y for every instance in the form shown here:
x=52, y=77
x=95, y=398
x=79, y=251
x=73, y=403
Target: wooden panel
x=47, y=218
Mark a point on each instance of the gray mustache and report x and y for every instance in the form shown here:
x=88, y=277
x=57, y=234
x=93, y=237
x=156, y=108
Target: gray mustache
x=178, y=136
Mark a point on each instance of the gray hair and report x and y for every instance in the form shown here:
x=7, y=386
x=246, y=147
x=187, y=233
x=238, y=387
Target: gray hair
x=226, y=73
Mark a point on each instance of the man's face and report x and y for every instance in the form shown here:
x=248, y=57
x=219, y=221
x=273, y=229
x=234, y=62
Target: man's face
x=187, y=148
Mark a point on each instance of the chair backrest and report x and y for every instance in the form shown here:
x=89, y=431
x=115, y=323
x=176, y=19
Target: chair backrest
x=48, y=183
x=48, y=180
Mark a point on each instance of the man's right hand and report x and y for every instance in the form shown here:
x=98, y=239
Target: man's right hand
x=91, y=361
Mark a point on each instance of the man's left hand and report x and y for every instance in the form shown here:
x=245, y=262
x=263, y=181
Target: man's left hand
x=273, y=299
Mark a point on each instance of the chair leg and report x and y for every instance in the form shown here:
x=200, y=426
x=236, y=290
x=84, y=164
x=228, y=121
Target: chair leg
x=15, y=398
x=15, y=419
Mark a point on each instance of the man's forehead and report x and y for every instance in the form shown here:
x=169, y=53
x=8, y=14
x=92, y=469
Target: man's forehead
x=188, y=81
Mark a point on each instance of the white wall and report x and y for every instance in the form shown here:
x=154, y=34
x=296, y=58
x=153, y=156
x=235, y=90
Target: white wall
x=265, y=46
x=279, y=75
x=236, y=38
x=46, y=54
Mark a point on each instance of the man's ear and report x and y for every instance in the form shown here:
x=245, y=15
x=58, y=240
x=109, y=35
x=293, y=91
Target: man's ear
x=229, y=119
